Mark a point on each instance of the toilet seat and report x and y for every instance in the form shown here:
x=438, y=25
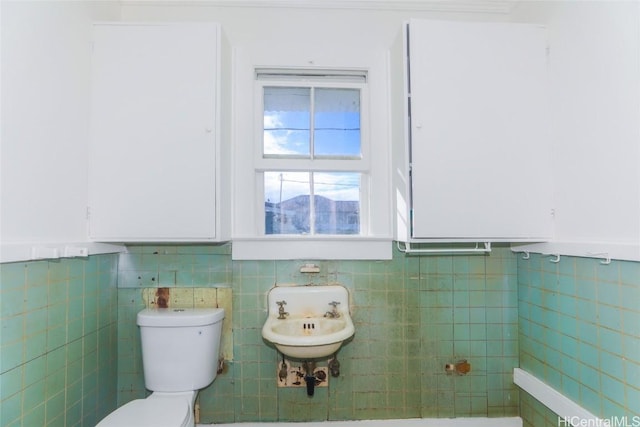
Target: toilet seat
x=148, y=412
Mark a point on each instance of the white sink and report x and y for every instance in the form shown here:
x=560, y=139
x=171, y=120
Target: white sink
x=316, y=323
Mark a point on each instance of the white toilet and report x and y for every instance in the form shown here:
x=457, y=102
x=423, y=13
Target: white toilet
x=180, y=356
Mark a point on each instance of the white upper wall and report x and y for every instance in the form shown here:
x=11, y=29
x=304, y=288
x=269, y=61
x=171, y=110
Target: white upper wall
x=45, y=76
x=310, y=28
x=45, y=118
x=594, y=67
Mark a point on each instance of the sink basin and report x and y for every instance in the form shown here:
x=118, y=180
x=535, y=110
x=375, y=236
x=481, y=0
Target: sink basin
x=313, y=327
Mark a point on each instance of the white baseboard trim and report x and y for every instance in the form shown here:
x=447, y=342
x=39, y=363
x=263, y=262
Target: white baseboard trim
x=569, y=412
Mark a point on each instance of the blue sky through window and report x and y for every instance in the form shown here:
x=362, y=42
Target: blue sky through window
x=337, y=134
x=287, y=122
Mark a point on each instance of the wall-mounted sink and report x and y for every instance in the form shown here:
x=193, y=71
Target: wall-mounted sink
x=308, y=322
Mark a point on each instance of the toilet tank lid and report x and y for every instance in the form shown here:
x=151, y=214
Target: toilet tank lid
x=176, y=317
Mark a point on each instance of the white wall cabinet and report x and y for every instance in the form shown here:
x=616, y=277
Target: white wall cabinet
x=157, y=158
x=478, y=148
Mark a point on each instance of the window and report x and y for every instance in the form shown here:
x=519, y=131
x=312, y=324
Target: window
x=312, y=154
x=313, y=168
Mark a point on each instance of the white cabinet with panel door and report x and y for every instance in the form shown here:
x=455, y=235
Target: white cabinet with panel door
x=157, y=159
x=477, y=154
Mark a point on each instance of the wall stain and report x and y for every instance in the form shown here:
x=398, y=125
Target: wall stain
x=162, y=298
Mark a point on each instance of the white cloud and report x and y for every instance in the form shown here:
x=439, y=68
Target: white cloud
x=280, y=143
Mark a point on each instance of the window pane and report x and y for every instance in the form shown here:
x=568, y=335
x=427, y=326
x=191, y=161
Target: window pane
x=286, y=121
x=337, y=203
x=337, y=122
x=287, y=202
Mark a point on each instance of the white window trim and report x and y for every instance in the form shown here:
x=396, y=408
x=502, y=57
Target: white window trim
x=249, y=240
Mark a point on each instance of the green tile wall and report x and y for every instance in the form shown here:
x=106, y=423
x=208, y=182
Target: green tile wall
x=575, y=324
x=579, y=325
x=184, y=267
x=535, y=414
x=412, y=316
x=58, y=341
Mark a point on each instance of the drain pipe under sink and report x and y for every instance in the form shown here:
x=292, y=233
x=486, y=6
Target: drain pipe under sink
x=311, y=384
x=309, y=377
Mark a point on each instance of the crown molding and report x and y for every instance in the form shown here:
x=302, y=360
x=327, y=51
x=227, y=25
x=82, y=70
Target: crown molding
x=475, y=6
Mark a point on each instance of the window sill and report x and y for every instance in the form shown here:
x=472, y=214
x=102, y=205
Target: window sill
x=292, y=247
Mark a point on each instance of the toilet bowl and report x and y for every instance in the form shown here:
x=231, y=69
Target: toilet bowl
x=157, y=410
x=180, y=356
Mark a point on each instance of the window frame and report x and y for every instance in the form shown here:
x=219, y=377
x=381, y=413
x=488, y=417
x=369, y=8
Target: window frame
x=274, y=163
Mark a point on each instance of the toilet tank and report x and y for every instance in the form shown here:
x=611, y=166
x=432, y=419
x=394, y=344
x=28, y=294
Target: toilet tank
x=180, y=347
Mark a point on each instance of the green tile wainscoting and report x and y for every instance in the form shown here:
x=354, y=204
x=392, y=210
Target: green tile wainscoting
x=579, y=331
x=70, y=348
x=412, y=316
x=58, y=341
x=535, y=414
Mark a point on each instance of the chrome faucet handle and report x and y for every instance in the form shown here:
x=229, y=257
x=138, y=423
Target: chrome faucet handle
x=281, y=313
x=334, y=312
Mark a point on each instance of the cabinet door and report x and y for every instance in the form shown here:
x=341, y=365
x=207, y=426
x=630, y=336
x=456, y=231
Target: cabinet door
x=153, y=132
x=479, y=146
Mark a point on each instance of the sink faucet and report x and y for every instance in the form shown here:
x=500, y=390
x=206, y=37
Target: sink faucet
x=333, y=314
x=281, y=313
